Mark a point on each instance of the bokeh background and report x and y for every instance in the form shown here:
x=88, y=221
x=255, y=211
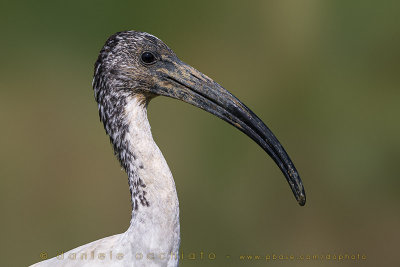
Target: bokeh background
x=324, y=75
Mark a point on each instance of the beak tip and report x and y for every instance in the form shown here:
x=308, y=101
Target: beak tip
x=301, y=199
x=296, y=185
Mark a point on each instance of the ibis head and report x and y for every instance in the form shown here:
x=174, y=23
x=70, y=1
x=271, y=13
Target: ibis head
x=139, y=64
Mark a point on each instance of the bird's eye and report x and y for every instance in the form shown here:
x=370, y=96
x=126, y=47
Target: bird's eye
x=148, y=57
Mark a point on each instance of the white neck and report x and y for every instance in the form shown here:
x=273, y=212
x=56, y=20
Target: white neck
x=154, y=226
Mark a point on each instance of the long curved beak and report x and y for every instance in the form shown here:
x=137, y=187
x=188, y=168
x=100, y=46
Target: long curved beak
x=181, y=81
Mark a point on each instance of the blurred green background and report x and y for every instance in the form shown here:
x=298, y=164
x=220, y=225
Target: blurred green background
x=324, y=75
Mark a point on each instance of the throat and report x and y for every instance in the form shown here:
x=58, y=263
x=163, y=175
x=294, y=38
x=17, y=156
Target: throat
x=155, y=207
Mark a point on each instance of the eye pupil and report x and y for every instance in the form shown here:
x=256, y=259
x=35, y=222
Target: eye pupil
x=148, y=57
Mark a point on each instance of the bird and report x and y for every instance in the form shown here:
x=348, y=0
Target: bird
x=132, y=68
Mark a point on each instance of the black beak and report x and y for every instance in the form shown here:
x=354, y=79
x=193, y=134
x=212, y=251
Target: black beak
x=181, y=81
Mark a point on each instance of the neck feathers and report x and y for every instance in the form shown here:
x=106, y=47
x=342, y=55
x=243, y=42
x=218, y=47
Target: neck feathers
x=155, y=207
x=151, y=184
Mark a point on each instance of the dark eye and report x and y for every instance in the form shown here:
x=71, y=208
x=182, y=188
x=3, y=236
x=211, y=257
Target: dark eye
x=148, y=57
